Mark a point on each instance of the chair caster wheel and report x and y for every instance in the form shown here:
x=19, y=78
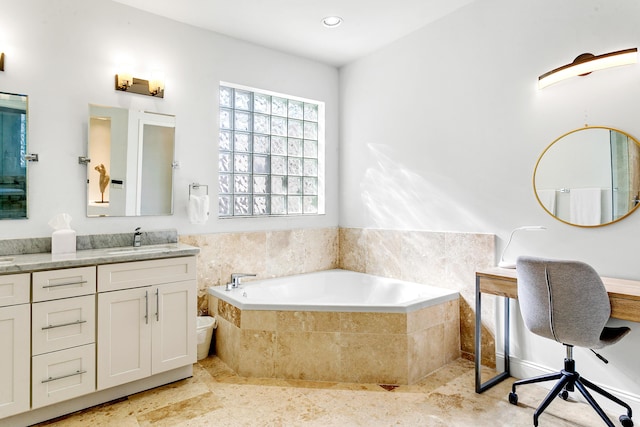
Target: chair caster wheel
x=626, y=421
x=513, y=399
x=564, y=394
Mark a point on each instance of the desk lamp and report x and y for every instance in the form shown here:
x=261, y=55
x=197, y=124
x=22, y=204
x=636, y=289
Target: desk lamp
x=506, y=264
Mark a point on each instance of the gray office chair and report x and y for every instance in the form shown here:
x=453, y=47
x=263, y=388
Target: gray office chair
x=566, y=301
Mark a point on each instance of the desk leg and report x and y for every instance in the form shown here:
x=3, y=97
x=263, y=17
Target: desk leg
x=480, y=386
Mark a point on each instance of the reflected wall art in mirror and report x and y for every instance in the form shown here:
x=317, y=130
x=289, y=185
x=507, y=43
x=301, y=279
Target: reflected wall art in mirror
x=130, y=167
x=13, y=168
x=589, y=177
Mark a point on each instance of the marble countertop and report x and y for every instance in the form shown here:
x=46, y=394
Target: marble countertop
x=24, y=263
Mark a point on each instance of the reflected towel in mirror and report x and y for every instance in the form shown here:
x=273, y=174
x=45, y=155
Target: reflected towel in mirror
x=548, y=200
x=585, y=206
x=198, y=209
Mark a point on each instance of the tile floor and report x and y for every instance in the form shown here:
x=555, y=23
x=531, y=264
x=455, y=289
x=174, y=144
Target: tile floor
x=216, y=396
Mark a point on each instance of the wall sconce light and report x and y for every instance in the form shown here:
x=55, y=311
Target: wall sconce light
x=156, y=84
x=125, y=82
x=1, y=61
x=587, y=63
x=512, y=264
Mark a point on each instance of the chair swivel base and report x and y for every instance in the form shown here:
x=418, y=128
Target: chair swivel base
x=568, y=380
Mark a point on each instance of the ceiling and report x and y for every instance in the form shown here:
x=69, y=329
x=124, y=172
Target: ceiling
x=295, y=26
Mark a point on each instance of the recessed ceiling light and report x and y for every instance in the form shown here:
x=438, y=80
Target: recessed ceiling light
x=331, y=21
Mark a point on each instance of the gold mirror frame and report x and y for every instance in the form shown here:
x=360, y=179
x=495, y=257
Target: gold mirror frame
x=561, y=191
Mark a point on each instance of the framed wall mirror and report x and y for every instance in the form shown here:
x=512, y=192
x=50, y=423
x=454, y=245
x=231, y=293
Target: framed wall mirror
x=130, y=168
x=13, y=168
x=589, y=177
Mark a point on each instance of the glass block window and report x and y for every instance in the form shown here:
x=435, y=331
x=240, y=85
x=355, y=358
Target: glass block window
x=271, y=154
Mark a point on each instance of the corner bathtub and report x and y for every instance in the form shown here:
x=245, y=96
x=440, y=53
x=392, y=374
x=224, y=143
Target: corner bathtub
x=336, y=325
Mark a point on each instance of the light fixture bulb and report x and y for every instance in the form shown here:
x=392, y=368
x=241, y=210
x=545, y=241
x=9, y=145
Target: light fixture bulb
x=156, y=83
x=587, y=63
x=331, y=21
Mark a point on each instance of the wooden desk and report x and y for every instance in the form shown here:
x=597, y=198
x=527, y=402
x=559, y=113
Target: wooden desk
x=623, y=294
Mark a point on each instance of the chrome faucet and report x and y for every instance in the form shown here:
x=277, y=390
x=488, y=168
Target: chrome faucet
x=235, y=280
x=137, y=236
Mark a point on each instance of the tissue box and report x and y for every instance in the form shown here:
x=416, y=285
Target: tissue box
x=63, y=242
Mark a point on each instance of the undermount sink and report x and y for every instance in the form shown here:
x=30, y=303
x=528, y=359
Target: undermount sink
x=141, y=250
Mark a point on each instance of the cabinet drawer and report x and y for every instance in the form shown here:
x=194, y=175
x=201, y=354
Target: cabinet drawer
x=70, y=282
x=15, y=289
x=112, y=277
x=62, y=375
x=63, y=323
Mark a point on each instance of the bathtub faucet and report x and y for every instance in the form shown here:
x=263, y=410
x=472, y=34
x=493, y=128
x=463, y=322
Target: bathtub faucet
x=235, y=280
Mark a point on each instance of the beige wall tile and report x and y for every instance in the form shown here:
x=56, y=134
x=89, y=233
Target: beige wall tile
x=373, y=323
x=320, y=249
x=374, y=358
x=422, y=257
x=452, y=311
x=383, y=253
x=308, y=355
x=425, y=318
x=228, y=343
x=426, y=352
x=259, y=319
x=213, y=305
x=308, y=321
x=230, y=313
x=352, y=249
x=285, y=253
x=451, y=342
x=257, y=353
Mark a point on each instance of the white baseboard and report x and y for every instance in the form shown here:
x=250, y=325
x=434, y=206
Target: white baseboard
x=525, y=369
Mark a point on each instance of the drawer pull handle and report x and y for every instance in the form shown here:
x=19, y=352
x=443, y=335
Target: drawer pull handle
x=64, y=284
x=157, y=305
x=48, y=380
x=146, y=307
x=77, y=322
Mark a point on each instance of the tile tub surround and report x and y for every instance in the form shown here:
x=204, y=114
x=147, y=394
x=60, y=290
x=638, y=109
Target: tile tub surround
x=267, y=254
x=384, y=348
x=444, y=259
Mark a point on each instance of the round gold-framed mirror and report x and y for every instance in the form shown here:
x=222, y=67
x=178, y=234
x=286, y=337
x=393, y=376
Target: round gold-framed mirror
x=589, y=177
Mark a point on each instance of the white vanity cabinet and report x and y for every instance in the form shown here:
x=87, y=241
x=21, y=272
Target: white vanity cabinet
x=146, y=319
x=63, y=335
x=78, y=333
x=15, y=351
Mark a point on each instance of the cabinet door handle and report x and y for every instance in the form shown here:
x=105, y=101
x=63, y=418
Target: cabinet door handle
x=146, y=307
x=157, y=305
x=64, y=284
x=48, y=380
x=77, y=322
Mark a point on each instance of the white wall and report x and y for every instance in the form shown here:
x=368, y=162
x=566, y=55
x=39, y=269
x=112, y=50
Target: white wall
x=64, y=54
x=442, y=129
